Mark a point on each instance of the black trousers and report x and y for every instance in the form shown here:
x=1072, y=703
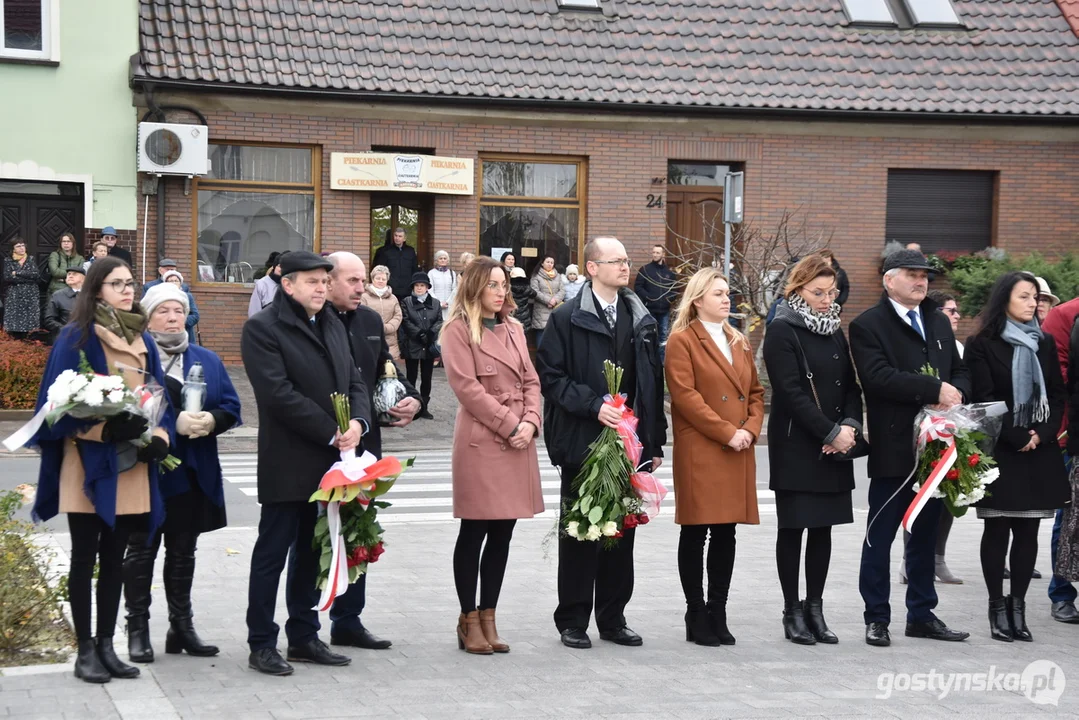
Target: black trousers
x=92, y=541
x=285, y=533
x=587, y=571
x=874, y=579
x=424, y=368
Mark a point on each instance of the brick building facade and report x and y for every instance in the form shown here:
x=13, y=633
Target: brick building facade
x=838, y=172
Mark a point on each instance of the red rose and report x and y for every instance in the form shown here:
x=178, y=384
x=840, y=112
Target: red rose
x=953, y=474
x=359, y=555
x=376, y=552
x=629, y=522
x=642, y=519
x=618, y=534
x=974, y=459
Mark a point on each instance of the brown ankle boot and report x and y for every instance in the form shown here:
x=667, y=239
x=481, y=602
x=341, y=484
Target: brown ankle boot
x=469, y=635
x=487, y=624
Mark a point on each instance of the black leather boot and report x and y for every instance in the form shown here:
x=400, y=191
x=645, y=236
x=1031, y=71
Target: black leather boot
x=179, y=573
x=114, y=665
x=794, y=625
x=1017, y=617
x=814, y=620
x=717, y=610
x=699, y=628
x=88, y=665
x=999, y=627
x=138, y=575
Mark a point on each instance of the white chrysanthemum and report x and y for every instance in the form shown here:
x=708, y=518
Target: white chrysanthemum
x=60, y=391
x=116, y=396
x=571, y=528
x=593, y=533
x=610, y=528
x=92, y=397
x=78, y=382
x=989, y=476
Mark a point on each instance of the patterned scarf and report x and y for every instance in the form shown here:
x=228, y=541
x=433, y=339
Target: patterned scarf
x=796, y=311
x=1029, y=401
x=127, y=324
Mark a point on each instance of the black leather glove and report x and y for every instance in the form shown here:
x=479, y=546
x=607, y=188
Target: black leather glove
x=422, y=337
x=125, y=426
x=156, y=451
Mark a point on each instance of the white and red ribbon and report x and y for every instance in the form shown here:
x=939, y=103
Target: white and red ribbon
x=933, y=427
x=348, y=470
x=648, y=488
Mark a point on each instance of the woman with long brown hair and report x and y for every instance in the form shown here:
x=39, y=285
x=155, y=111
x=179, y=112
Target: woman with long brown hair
x=816, y=418
x=717, y=404
x=92, y=472
x=496, y=476
x=61, y=260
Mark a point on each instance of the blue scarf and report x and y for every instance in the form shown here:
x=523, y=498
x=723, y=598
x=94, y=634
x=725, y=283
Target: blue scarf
x=1029, y=402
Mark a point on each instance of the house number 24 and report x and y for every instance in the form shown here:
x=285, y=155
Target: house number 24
x=654, y=201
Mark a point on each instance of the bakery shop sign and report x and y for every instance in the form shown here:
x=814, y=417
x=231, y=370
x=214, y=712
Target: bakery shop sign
x=403, y=173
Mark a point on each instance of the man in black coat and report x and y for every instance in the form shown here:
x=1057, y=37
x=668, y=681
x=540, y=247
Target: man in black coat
x=604, y=321
x=108, y=236
x=370, y=353
x=401, y=261
x=655, y=287
x=62, y=301
x=296, y=353
x=891, y=342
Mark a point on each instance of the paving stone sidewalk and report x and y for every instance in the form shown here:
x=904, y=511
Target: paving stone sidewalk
x=424, y=675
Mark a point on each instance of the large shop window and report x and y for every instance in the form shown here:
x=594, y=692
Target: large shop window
x=257, y=199
x=532, y=206
x=941, y=209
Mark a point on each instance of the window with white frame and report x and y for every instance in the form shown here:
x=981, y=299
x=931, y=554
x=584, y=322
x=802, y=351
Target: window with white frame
x=29, y=29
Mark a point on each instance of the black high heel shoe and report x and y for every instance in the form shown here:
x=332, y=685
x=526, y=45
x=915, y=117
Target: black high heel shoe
x=814, y=620
x=699, y=628
x=794, y=625
x=1017, y=618
x=999, y=627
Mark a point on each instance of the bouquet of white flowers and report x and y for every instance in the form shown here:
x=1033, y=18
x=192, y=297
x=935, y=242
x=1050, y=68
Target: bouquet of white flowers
x=86, y=395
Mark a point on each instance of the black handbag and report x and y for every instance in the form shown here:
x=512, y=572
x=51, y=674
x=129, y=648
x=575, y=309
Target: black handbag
x=861, y=445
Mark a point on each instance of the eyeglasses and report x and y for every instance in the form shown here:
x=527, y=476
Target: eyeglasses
x=496, y=286
x=121, y=286
x=954, y=312
x=818, y=294
x=621, y=261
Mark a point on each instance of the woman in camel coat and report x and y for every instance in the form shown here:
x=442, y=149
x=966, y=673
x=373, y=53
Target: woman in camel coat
x=496, y=477
x=378, y=295
x=717, y=405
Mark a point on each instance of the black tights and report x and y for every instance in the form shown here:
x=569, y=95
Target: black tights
x=720, y=563
x=1024, y=537
x=94, y=541
x=789, y=557
x=469, y=568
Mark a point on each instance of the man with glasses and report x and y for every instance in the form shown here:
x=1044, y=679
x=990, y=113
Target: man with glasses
x=606, y=321
x=108, y=236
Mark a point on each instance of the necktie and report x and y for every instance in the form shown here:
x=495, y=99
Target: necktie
x=609, y=312
x=312, y=321
x=913, y=315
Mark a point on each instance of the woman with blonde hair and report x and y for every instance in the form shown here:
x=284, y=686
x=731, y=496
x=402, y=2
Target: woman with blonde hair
x=443, y=282
x=816, y=419
x=378, y=295
x=496, y=477
x=717, y=404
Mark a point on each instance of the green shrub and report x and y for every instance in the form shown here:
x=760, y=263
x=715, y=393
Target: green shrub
x=972, y=276
x=22, y=363
x=32, y=626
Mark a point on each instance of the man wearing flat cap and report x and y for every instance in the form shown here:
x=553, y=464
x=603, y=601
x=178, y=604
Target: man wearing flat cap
x=891, y=342
x=296, y=353
x=62, y=302
x=164, y=266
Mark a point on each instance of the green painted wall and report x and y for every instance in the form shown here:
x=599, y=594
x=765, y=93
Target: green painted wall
x=77, y=117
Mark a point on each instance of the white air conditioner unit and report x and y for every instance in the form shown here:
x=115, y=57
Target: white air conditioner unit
x=173, y=149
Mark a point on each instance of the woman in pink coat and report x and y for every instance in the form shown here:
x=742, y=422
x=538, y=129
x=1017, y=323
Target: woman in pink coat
x=496, y=475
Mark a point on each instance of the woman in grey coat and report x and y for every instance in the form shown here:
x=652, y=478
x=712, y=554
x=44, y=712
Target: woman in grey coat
x=550, y=293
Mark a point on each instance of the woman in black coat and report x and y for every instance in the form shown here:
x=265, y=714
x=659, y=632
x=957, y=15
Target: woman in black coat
x=418, y=336
x=1012, y=360
x=812, y=423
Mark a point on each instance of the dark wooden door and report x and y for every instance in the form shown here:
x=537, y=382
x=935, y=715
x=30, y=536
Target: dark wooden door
x=40, y=221
x=414, y=213
x=694, y=225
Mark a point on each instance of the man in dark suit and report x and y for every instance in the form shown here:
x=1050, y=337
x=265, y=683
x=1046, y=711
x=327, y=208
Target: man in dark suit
x=370, y=353
x=605, y=321
x=296, y=353
x=891, y=342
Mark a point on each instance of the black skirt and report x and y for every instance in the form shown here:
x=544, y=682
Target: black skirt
x=798, y=509
x=193, y=512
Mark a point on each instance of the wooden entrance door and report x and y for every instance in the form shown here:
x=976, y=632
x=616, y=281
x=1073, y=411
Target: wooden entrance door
x=694, y=226
x=412, y=212
x=40, y=221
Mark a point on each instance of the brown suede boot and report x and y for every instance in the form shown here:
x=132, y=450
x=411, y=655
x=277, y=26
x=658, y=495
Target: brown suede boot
x=487, y=624
x=469, y=635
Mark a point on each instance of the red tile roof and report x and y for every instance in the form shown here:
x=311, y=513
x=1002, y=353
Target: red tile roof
x=1015, y=57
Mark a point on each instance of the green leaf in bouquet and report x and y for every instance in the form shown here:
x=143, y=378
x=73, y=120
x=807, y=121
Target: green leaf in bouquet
x=381, y=487
x=595, y=514
x=353, y=573
x=324, y=560
x=586, y=504
x=319, y=495
x=322, y=525
x=380, y=504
